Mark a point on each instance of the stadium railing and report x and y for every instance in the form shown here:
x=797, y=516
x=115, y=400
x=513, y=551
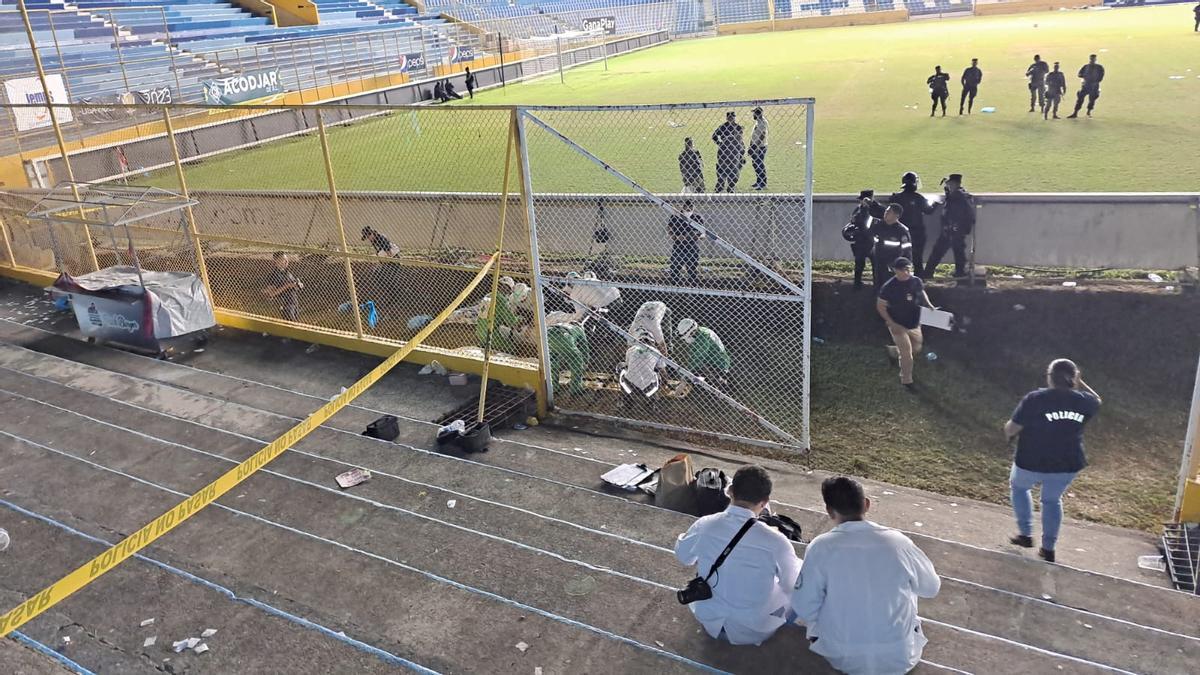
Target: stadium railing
x=436, y=184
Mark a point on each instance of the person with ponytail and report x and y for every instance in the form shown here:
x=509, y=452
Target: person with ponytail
x=1048, y=426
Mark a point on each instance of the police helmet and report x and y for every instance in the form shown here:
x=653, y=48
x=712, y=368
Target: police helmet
x=910, y=178
x=686, y=328
x=850, y=232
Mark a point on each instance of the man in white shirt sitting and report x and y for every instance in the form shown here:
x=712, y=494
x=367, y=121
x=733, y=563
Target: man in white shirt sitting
x=858, y=591
x=750, y=589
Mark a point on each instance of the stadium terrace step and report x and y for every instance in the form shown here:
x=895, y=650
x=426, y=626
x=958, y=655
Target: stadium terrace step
x=528, y=489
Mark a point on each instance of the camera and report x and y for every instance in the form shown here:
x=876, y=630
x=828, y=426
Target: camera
x=696, y=590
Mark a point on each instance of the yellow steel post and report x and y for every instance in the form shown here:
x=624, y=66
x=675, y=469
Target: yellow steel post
x=544, y=390
x=62, y=144
x=337, y=217
x=202, y=267
x=12, y=256
x=491, y=329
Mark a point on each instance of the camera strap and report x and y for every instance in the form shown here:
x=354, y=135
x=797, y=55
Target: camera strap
x=724, y=554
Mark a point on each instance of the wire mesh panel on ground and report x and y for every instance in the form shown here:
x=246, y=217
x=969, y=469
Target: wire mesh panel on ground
x=710, y=332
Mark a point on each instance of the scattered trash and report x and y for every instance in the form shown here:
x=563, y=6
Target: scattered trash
x=919, y=524
x=988, y=109
x=198, y=350
x=1070, y=284
x=537, y=670
x=188, y=643
x=200, y=648
x=208, y=632
x=1047, y=597
x=418, y=322
x=1155, y=278
x=1087, y=626
x=455, y=427
x=149, y=642
x=353, y=477
x=147, y=622
x=4, y=540
x=521, y=646
x=888, y=492
x=520, y=427
x=458, y=379
x=660, y=644
x=628, y=476
x=1154, y=563
x=931, y=356
x=433, y=366
x=451, y=503
x=1168, y=288
x=1175, y=77
x=1019, y=308
x=66, y=639
x=312, y=348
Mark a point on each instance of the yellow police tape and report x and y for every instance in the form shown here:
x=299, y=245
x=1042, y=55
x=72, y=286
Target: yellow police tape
x=187, y=508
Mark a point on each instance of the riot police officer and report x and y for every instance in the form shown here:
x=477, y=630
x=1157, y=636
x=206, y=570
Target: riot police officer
x=958, y=219
x=892, y=241
x=1056, y=87
x=1091, y=74
x=916, y=207
x=858, y=233
x=939, y=89
x=1036, y=72
x=971, y=77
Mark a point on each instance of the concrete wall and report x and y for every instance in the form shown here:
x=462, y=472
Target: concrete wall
x=1024, y=6
x=1150, y=231
x=854, y=19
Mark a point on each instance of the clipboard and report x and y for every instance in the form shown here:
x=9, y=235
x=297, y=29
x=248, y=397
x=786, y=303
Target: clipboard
x=936, y=318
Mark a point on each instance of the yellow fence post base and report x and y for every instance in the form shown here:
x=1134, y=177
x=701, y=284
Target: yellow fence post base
x=1189, y=507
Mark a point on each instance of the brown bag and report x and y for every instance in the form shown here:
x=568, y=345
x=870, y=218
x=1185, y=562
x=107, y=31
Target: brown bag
x=676, y=485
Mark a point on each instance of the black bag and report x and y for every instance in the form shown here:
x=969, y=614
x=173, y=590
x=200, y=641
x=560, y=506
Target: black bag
x=386, y=428
x=710, y=491
x=789, y=527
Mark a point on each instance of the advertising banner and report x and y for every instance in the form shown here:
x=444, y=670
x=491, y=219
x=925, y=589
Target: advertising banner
x=155, y=96
x=412, y=62
x=458, y=54
x=29, y=90
x=607, y=24
x=242, y=88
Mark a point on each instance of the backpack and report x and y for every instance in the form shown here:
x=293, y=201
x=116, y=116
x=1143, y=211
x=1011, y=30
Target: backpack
x=710, y=488
x=386, y=428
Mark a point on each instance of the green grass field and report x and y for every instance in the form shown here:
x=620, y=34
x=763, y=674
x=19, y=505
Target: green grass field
x=866, y=81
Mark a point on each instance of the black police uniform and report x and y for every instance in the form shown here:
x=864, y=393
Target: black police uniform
x=1092, y=75
x=730, y=155
x=1056, y=86
x=858, y=233
x=970, y=80
x=1036, y=72
x=939, y=91
x=891, y=242
x=915, y=209
x=958, y=219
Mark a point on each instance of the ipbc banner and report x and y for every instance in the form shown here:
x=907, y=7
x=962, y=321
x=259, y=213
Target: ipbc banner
x=242, y=88
x=459, y=54
x=606, y=24
x=29, y=90
x=412, y=62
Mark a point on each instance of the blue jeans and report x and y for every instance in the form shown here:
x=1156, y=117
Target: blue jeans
x=1053, y=487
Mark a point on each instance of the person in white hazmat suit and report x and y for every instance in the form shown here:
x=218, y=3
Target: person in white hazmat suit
x=644, y=364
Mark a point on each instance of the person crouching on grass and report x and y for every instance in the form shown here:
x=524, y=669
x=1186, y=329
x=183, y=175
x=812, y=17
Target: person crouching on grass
x=900, y=301
x=1048, y=425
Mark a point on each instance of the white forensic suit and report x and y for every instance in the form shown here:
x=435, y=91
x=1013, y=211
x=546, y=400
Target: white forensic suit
x=647, y=324
x=751, y=588
x=857, y=594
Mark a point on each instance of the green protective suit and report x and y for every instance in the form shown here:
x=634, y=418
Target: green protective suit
x=707, y=353
x=506, y=323
x=569, y=350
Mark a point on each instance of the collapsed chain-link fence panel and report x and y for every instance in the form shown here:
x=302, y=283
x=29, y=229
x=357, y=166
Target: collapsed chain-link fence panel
x=697, y=216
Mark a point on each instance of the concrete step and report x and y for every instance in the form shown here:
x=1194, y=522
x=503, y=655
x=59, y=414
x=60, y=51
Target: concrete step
x=974, y=607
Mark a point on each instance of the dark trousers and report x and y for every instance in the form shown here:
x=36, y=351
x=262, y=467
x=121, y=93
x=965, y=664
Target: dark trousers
x=968, y=95
x=471, y=90
x=861, y=255
x=939, y=97
x=758, y=158
x=1091, y=94
x=727, y=175
x=684, y=254
x=958, y=243
x=918, y=248
x=881, y=269
x=1037, y=92
x=1051, y=106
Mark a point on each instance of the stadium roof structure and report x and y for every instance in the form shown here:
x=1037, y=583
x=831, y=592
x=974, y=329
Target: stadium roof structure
x=106, y=205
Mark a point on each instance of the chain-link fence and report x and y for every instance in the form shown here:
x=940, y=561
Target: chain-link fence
x=674, y=244
x=380, y=216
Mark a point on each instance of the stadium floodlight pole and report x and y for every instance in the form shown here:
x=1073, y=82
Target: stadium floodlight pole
x=201, y=266
x=58, y=135
x=491, y=318
x=337, y=217
x=1189, y=467
x=535, y=263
